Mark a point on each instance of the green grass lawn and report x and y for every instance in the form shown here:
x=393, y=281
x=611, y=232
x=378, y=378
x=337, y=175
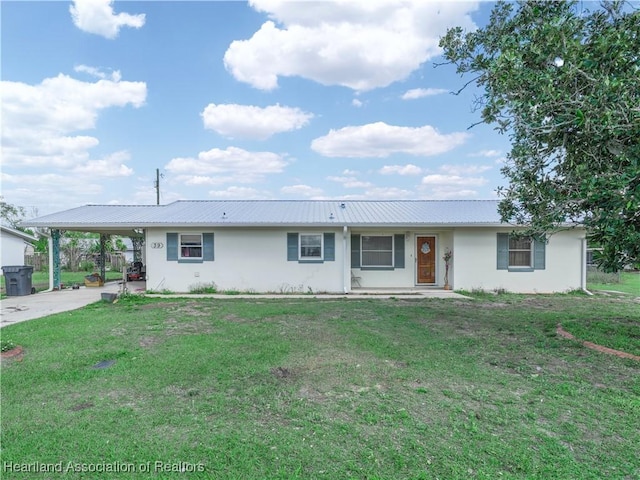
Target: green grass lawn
x=629, y=283
x=288, y=388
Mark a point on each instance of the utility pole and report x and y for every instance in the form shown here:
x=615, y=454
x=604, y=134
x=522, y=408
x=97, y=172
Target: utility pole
x=157, y=186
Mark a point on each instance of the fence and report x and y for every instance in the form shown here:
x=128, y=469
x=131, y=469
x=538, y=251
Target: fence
x=115, y=261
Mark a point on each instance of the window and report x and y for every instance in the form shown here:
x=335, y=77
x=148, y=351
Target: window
x=520, y=254
x=310, y=246
x=377, y=251
x=190, y=246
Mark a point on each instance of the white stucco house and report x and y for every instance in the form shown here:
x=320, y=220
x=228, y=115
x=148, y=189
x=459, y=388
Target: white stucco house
x=334, y=246
x=13, y=245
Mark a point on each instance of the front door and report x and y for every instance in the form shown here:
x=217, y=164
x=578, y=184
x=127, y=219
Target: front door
x=426, y=257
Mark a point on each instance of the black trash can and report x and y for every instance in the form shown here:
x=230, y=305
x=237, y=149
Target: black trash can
x=17, y=280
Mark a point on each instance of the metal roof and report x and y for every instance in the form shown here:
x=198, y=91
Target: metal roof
x=17, y=233
x=219, y=213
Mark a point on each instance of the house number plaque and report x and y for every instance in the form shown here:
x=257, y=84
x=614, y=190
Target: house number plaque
x=157, y=245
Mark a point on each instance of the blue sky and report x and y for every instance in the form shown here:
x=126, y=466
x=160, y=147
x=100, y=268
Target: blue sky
x=236, y=100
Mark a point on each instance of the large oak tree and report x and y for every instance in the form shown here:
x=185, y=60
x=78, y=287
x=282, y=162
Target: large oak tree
x=562, y=79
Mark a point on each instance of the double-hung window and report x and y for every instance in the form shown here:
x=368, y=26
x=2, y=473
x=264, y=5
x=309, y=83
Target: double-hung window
x=191, y=246
x=520, y=254
x=310, y=246
x=377, y=251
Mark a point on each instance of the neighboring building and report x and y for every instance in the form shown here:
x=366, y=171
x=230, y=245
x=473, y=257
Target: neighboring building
x=334, y=246
x=14, y=245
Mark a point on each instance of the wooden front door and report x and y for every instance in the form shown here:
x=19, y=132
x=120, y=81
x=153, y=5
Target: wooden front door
x=426, y=258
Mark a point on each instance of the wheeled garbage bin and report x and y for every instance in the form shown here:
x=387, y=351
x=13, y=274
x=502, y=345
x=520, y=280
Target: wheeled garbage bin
x=17, y=280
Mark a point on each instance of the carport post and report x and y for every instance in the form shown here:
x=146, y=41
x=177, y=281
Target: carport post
x=103, y=270
x=55, y=258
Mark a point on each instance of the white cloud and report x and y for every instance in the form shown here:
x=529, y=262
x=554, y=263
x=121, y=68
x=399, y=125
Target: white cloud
x=486, y=153
x=446, y=192
x=457, y=182
x=453, y=180
x=464, y=169
x=350, y=182
x=358, y=44
x=54, y=188
x=247, y=121
x=97, y=16
x=408, y=169
x=217, y=166
x=381, y=140
x=242, y=193
x=416, y=93
x=40, y=121
x=357, y=103
x=389, y=193
x=110, y=166
x=114, y=75
x=301, y=190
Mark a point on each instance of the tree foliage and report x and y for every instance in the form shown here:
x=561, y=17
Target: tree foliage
x=564, y=83
x=10, y=213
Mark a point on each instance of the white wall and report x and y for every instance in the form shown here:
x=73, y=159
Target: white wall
x=475, y=261
x=256, y=260
x=12, y=250
x=405, y=277
x=245, y=260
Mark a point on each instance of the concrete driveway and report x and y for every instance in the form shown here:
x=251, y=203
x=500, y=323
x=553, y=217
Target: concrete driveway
x=28, y=307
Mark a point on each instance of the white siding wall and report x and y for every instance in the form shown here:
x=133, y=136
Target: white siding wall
x=12, y=252
x=245, y=260
x=475, y=261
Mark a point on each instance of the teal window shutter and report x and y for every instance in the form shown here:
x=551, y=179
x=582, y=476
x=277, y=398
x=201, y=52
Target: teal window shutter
x=355, y=251
x=503, y=251
x=539, y=250
x=292, y=247
x=172, y=247
x=398, y=252
x=329, y=247
x=207, y=247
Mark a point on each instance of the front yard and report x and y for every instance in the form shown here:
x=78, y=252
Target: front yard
x=288, y=388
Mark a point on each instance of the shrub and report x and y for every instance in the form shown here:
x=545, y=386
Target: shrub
x=203, y=288
x=6, y=345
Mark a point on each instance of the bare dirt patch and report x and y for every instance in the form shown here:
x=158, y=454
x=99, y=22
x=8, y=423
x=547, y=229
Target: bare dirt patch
x=187, y=327
x=81, y=406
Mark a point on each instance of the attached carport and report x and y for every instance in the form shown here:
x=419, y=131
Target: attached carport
x=101, y=219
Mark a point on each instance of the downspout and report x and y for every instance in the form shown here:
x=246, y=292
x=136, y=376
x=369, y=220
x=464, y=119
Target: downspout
x=52, y=262
x=346, y=273
x=583, y=270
